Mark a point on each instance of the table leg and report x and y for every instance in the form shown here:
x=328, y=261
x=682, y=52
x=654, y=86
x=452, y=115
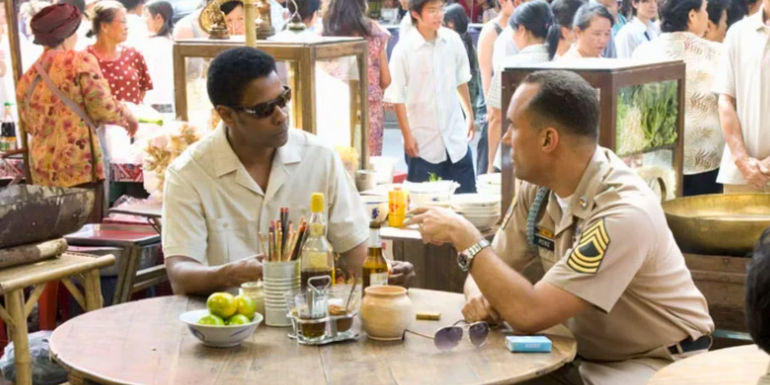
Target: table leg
x=15, y=303
x=93, y=290
x=128, y=266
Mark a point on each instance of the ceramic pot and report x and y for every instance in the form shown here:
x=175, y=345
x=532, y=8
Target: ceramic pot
x=386, y=312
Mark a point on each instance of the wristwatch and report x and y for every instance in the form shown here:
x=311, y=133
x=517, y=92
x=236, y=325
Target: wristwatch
x=465, y=257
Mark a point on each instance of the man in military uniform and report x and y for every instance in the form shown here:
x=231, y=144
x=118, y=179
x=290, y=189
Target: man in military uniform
x=613, y=273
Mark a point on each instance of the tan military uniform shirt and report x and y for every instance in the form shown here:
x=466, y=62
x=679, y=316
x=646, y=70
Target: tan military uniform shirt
x=213, y=209
x=612, y=248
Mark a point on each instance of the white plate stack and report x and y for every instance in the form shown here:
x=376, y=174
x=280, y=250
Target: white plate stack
x=489, y=184
x=482, y=210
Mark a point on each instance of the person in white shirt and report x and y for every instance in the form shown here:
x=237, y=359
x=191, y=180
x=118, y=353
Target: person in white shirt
x=227, y=187
x=639, y=30
x=430, y=74
x=593, y=31
x=137, y=28
x=158, y=53
x=743, y=85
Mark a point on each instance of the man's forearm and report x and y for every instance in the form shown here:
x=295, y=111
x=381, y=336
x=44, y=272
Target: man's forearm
x=403, y=122
x=731, y=128
x=493, y=134
x=188, y=276
x=353, y=259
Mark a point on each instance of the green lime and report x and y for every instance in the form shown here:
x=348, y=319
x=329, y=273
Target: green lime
x=210, y=319
x=221, y=304
x=238, y=319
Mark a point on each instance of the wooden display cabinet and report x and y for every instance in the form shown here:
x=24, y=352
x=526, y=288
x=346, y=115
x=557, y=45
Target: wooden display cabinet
x=302, y=59
x=621, y=85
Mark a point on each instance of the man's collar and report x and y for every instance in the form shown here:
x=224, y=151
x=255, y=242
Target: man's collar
x=581, y=203
x=416, y=37
x=226, y=161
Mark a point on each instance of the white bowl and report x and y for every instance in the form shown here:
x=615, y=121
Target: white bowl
x=475, y=200
x=219, y=336
x=494, y=178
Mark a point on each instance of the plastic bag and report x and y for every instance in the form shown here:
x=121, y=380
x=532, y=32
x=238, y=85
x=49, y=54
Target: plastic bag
x=44, y=370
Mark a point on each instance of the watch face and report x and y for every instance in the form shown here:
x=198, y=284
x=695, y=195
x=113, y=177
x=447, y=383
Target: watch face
x=462, y=260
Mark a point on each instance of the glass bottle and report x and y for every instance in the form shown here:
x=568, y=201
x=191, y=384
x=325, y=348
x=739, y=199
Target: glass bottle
x=9, y=129
x=317, y=256
x=375, y=268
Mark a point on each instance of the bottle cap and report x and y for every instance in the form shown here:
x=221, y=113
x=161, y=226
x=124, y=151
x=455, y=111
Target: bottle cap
x=317, y=202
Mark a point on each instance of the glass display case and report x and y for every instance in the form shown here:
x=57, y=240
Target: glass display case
x=642, y=115
x=328, y=77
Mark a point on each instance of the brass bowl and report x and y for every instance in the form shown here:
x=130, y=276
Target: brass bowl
x=718, y=224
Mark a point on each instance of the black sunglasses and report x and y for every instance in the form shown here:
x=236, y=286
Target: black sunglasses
x=263, y=110
x=448, y=337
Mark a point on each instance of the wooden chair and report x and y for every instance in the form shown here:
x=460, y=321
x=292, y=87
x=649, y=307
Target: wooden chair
x=66, y=267
x=133, y=239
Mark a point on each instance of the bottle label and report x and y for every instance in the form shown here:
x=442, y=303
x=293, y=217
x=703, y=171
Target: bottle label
x=378, y=279
x=374, y=238
x=318, y=259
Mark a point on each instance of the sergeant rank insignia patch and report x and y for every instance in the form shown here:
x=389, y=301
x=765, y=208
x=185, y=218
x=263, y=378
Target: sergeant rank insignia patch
x=588, y=254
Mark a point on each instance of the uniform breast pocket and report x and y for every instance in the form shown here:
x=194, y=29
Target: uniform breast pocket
x=233, y=238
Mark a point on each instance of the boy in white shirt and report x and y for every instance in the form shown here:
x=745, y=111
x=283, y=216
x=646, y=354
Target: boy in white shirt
x=430, y=73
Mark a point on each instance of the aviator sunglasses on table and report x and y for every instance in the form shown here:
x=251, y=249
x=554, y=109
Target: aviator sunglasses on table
x=448, y=337
x=263, y=110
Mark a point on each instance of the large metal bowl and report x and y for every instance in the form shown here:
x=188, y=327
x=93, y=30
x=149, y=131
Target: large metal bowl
x=719, y=224
x=30, y=214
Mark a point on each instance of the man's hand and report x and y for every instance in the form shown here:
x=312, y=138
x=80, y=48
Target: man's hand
x=439, y=226
x=471, y=129
x=478, y=309
x=751, y=168
x=410, y=146
x=764, y=166
x=401, y=273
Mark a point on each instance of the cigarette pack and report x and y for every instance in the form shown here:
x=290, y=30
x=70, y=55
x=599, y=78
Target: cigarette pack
x=528, y=344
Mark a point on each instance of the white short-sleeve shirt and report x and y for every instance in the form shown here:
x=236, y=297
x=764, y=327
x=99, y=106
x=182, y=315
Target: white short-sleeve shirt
x=744, y=74
x=213, y=209
x=425, y=76
x=632, y=35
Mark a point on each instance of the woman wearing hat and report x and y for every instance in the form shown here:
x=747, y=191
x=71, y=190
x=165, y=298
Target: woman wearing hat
x=62, y=98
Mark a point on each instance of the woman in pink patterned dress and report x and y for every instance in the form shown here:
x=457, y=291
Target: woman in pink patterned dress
x=348, y=18
x=124, y=67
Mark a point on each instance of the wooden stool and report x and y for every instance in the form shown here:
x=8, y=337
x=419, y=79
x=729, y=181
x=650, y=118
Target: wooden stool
x=133, y=239
x=13, y=280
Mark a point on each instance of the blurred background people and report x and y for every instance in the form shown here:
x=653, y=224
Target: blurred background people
x=123, y=67
x=234, y=17
x=717, y=24
x=593, y=29
x=348, y=18
x=683, y=23
x=562, y=36
x=63, y=149
x=158, y=53
x=640, y=29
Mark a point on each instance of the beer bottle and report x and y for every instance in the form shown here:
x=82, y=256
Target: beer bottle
x=375, y=268
x=317, y=256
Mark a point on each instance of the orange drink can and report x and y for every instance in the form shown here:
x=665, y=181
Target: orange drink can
x=397, y=202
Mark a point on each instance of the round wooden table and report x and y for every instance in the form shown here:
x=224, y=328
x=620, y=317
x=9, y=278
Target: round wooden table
x=736, y=366
x=143, y=342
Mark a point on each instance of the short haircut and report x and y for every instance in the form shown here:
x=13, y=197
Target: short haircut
x=674, y=14
x=758, y=293
x=305, y=8
x=228, y=7
x=131, y=4
x=232, y=70
x=587, y=12
x=565, y=100
x=418, y=5
x=715, y=8
x=79, y=4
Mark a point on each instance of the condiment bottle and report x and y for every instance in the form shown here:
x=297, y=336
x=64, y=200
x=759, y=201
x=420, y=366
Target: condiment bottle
x=375, y=268
x=317, y=256
x=254, y=290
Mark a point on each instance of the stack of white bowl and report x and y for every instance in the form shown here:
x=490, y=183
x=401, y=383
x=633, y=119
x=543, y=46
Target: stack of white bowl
x=490, y=184
x=279, y=278
x=482, y=210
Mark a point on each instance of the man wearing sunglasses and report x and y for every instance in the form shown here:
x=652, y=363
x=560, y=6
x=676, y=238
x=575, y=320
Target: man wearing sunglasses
x=224, y=190
x=613, y=272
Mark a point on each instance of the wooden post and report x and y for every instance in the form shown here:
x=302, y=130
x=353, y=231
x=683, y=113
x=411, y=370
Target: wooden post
x=15, y=302
x=93, y=290
x=250, y=8
x=12, y=23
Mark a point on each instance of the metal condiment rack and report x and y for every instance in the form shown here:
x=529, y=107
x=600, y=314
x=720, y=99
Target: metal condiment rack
x=331, y=334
